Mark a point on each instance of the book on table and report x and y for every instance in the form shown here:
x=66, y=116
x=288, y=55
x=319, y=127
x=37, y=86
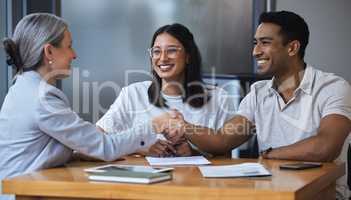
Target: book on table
x=129, y=174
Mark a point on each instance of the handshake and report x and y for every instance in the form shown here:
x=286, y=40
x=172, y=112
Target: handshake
x=172, y=126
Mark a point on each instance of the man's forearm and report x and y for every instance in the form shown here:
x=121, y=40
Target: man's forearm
x=310, y=149
x=326, y=145
x=217, y=142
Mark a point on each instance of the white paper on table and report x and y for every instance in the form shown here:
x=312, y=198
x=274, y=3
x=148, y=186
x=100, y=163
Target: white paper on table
x=190, y=160
x=239, y=170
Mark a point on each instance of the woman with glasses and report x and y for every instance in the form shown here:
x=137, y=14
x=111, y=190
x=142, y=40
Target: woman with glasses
x=176, y=84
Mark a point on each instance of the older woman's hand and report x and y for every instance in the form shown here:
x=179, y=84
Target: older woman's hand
x=171, y=125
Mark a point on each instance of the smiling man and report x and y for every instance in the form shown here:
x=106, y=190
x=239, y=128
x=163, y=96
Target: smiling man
x=301, y=114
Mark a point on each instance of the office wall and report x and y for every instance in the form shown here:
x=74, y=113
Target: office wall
x=111, y=40
x=3, y=67
x=330, y=29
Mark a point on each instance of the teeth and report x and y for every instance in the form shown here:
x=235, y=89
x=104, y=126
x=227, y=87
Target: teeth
x=165, y=66
x=261, y=62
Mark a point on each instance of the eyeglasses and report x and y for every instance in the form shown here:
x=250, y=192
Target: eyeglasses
x=171, y=52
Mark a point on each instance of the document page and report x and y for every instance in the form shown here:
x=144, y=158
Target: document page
x=239, y=170
x=190, y=160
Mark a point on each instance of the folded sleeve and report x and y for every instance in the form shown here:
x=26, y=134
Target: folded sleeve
x=337, y=99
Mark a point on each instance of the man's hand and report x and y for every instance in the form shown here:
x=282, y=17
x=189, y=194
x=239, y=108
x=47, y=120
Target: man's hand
x=171, y=125
x=160, y=122
x=176, y=129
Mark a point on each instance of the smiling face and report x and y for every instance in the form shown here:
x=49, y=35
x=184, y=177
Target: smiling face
x=271, y=54
x=169, y=58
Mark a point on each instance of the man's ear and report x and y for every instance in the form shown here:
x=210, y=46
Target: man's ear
x=294, y=47
x=48, y=51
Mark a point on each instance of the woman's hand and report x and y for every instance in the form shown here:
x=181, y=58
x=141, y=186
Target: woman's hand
x=162, y=148
x=171, y=125
x=161, y=123
x=183, y=149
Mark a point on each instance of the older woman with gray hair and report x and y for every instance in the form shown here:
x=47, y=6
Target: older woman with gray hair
x=37, y=127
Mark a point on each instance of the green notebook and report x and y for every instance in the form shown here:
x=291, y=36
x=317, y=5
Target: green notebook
x=115, y=175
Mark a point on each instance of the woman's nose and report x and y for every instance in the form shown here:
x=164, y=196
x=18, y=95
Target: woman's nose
x=164, y=55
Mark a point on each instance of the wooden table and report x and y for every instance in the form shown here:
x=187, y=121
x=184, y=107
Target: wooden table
x=71, y=182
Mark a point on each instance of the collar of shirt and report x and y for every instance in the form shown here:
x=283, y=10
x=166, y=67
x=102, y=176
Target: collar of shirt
x=307, y=80
x=177, y=98
x=33, y=75
x=43, y=87
x=305, y=85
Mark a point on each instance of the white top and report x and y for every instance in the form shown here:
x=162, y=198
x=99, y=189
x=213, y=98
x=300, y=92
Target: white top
x=39, y=130
x=279, y=124
x=132, y=107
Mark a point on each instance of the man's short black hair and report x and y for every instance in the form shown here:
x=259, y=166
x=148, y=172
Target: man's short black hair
x=293, y=27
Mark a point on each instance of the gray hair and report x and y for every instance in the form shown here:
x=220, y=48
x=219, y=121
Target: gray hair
x=25, y=49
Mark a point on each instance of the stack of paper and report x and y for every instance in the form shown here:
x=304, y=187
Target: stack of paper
x=239, y=170
x=191, y=160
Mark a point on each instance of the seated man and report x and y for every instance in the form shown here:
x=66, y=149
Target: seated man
x=301, y=114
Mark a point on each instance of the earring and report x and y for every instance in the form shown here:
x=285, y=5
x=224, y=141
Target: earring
x=50, y=62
